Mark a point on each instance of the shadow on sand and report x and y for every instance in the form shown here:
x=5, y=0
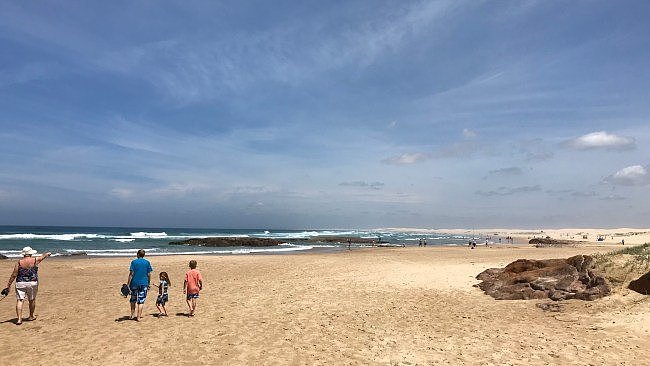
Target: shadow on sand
x=124, y=318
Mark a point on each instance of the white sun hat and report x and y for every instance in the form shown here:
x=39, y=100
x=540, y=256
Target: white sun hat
x=28, y=251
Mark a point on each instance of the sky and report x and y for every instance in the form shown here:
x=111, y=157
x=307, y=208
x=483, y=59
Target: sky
x=325, y=114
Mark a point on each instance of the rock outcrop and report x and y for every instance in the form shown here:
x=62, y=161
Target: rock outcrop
x=641, y=285
x=557, y=279
x=229, y=242
x=344, y=239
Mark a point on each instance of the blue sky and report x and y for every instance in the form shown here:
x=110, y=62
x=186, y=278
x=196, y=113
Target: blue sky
x=312, y=114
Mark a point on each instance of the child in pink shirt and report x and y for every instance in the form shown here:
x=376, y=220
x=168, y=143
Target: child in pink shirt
x=193, y=284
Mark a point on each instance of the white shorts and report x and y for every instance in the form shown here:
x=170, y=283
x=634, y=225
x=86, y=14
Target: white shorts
x=26, y=290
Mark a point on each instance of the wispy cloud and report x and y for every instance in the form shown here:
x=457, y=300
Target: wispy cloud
x=508, y=191
x=362, y=184
x=191, y=71
x=534, y=150
x=601, y=140
x=407, y=158
x=467, y=133
x=122, y=193
x=510, y=171
x=613, y=197
x=635, y=175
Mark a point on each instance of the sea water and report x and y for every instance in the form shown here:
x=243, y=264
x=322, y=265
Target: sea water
x=116, y=241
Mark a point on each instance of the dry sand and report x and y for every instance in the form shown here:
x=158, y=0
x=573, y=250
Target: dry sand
x=381, y=306
x=630, y=236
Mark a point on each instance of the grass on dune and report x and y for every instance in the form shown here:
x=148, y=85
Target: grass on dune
x=624, y=265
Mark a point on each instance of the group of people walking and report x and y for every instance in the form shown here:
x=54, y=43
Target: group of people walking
x=25, y=273
x=139, y=283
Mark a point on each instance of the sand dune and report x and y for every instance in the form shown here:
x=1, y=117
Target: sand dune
x=378, y=306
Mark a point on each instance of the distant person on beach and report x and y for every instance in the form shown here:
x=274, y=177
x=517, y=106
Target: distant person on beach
x=26, y=275
x=139, y=283
x=163, y=293
x=192, y=286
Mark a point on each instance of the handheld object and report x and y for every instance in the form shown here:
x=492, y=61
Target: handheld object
x=125, y=291
x=4, y=293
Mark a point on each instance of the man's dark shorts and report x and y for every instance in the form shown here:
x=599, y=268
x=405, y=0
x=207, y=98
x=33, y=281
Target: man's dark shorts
x=139, y=294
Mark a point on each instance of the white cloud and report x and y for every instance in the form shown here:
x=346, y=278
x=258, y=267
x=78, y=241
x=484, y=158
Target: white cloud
x=393, y=124
x=405, y=159
x=506, y=171
x=635, y=175
x=508, y=191
x=467, y=133
x=362, y=184
x=122, y=193
x=601, y=140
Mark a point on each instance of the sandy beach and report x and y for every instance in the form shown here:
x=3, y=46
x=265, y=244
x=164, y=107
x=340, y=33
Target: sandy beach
x=385, y=306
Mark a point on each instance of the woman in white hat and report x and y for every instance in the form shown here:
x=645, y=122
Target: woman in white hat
x=26, y=275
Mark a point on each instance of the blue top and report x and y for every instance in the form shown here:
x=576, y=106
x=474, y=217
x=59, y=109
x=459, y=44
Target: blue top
x=140, y=267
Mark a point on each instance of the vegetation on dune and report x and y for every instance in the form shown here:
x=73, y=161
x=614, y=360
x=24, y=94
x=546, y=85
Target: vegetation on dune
x=624, y=265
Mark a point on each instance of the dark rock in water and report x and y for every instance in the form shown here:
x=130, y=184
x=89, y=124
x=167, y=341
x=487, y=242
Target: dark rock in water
x=641, y=285
x=548, y=242
x=3, y=256
x=76, y=254
x=344, y=239
x=556, y=279
x=229, y=242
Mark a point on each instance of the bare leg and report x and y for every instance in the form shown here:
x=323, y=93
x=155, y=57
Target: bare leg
x=132, y=310
x=32, y=307
x=19, y=311
x=189, y=305
x=140, y=307
x=164, y=310
x=193, y=307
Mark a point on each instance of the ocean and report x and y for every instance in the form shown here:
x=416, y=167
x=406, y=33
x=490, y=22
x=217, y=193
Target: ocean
x=117, y=241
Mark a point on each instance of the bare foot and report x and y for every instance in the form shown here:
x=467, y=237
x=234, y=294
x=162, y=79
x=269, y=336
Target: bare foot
x=31, y=318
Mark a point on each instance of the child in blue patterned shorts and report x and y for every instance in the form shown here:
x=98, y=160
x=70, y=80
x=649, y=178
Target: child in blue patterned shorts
x=163, y=293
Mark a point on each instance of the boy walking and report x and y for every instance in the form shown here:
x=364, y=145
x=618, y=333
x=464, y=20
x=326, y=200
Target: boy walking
x=192, y=285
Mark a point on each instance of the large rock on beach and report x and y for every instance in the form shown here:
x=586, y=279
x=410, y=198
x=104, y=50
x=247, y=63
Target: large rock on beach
x=556, y=279
x=641, y=285
x=2, y=256
x=229, y=242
